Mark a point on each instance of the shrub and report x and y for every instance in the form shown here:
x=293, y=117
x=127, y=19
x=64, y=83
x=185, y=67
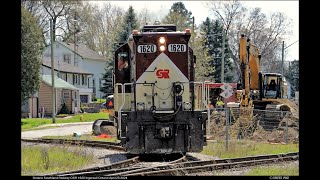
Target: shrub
x=64, y=109
x=94, y=98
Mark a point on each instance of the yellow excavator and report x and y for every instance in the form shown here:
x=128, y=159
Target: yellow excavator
x=260, y=90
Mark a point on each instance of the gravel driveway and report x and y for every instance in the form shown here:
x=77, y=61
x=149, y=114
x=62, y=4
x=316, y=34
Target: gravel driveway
x=59, y=130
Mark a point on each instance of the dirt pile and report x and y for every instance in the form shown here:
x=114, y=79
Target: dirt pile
x=217, y=125
x=255, y=131
x=294, y=108
x=280, y=133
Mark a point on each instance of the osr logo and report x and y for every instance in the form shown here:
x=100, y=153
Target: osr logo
x=163, y=73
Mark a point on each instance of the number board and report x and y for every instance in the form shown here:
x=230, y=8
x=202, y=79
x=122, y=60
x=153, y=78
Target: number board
x=177, y=48
x=147, y=48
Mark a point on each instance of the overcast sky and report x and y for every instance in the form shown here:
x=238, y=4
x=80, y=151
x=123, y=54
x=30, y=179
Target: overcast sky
x=200, y=12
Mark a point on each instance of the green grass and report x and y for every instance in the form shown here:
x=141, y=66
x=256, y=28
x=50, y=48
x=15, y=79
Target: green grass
x=37, y=160
x=39, y=128
x=100, y=101
x=84, y=137
x=30, y=123
x=273, y=171
x=62, y=115
x=244, y=148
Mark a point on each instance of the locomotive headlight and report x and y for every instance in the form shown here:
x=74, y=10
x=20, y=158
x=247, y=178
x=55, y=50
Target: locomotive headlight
x=140, y=106
x=187, y=106
x=162, y=44
x=162, y=48
x=162, y=40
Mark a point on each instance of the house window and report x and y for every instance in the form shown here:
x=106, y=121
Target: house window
x=84, y=98
x=63, y=76
x=84, y=79
x=66, y=95
x=67, y=58
x=93, y=85
x=75, y=79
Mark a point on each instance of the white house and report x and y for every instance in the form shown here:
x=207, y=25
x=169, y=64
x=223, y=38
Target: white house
x=78, y=65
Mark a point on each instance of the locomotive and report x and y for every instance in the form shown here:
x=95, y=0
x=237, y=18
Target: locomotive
x=158, y=107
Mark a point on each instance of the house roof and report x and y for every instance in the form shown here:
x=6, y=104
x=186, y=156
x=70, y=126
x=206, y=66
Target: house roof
x=83, y=51
x=58, y=83
x=63, y=67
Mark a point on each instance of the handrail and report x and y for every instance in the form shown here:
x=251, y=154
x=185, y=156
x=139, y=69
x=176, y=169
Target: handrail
x=119, y=110
x=123, y=102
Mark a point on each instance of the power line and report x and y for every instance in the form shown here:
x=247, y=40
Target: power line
x=291, y=44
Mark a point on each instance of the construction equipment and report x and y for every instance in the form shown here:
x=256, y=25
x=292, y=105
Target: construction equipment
x=106, y=126
x=260, y=90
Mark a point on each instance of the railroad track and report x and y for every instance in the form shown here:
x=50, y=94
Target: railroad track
x=112, y=168
x=201, y=166
x=119, y=167
x=181, y=166
x=107, y=145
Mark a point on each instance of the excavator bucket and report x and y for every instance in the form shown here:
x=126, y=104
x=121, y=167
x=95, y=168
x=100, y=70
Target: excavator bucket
x=104, y=126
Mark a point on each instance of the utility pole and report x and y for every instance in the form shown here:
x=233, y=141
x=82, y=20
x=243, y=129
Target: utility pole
x=222, y=61
x=52, y=75
x=282, y=58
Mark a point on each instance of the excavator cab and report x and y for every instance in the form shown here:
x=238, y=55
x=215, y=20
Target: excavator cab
x=272, y=86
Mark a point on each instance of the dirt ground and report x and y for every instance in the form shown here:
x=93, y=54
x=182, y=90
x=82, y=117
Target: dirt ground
x=257, y=132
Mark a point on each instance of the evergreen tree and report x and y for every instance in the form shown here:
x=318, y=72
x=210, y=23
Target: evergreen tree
x=293, y=76
x=31, y=49
x=203, y=68
x=212, y=31
x=179, y=16
x=107, y=86
x=129, y=23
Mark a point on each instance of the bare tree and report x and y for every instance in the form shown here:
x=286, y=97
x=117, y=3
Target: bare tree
x=147, y=17
x=57, y=11
x=266, y=33
x=229, y=12
x=99, y=26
